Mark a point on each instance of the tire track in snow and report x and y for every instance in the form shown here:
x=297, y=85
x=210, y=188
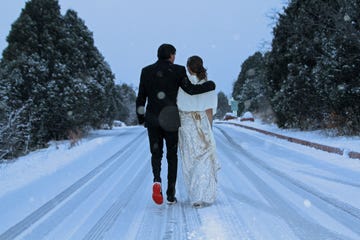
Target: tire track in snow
x=65, y=209
x=190, y=217
x=345, y=207
x=237, y=203
x=221, y=218
x=287, y=212
x=175, y=222
x=335, y=180
x=38, y=214
x=105, y=223
x=152, y=222
x=233, y=224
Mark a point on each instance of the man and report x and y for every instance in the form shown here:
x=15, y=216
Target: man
x=159, y=84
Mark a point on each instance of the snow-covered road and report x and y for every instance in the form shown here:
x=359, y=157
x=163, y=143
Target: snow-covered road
x=101, y=189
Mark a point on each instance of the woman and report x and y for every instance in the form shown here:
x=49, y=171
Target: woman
x=196, y=139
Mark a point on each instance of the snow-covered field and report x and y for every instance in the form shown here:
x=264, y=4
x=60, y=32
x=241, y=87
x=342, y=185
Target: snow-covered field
x=101, y=189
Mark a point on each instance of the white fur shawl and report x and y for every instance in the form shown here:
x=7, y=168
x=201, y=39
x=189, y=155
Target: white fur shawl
x=199, y=102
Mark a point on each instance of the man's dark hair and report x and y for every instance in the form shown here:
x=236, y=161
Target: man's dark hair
x=165, y=50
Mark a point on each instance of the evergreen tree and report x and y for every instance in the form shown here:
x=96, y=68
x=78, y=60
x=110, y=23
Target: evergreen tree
x=54, y=80
x=126, y=104
x=312, y=66
x=3, y=105
x=30, y=62
x=250, y=88
x=337, y=74
x=223, y=106
x=290, y=63
x=93, y=75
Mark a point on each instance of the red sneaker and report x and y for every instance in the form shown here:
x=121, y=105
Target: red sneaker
x=157, y=193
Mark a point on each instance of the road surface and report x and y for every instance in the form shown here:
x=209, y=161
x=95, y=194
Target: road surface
x=267, y=189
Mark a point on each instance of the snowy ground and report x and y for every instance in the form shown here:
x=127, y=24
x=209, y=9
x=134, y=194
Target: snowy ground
x=101, y=189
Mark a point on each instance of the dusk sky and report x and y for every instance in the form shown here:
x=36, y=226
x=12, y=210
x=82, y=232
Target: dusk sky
x=128, y=33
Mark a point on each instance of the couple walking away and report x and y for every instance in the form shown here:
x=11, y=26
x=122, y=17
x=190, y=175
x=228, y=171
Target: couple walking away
x=179, y=111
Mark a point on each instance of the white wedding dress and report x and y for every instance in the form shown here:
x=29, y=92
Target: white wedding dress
x=197, y=145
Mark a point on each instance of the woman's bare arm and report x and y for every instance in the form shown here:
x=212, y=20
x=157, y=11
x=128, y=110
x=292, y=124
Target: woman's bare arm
x=209, y=113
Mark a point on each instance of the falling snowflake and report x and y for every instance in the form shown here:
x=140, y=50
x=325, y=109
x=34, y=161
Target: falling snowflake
x=141, y=110
x=307, y=203
x=161, y=95
x=347, y=18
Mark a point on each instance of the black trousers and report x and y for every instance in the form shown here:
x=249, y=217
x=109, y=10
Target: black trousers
x=157, y=135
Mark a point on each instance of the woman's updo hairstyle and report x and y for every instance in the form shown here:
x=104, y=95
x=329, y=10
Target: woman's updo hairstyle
x=195, y=64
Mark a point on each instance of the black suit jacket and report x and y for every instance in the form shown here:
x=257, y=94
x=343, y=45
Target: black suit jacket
x=159, y=84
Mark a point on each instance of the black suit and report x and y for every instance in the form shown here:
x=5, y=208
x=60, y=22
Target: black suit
x=159, y=84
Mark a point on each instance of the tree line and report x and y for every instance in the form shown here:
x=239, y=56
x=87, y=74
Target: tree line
x=54, y=82
x=310, y=79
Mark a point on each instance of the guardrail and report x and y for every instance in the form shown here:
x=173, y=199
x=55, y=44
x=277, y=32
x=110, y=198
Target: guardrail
x=336, y=150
